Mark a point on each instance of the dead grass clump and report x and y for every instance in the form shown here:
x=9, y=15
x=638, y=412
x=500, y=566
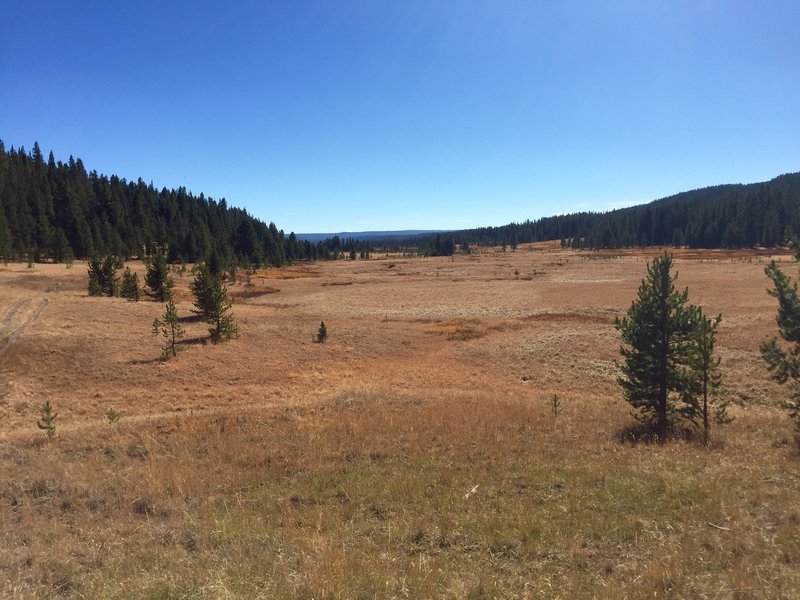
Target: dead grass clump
x=458, y=329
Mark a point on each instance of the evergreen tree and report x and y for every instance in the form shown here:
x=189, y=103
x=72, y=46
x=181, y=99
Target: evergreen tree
x=48, y=421
x=5, y=238
x=784, y=362
x=95, y=274
x=657, y=335
x=212, y=304
x=103, y=278
x=158, y=278
x=706, y=378
x=171, y=329
x=322, y=333
x=130, y=286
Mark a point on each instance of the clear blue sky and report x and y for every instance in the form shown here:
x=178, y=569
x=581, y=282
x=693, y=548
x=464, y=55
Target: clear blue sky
x=335, y=116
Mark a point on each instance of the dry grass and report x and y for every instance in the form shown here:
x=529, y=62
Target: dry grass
x=457, y=329
x=272, y=467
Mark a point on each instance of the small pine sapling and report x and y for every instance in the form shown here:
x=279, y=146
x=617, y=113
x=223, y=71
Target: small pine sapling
x=555, y=405
x=322, y=333
x=48, y=421
x=112, y=415
x=171, y=329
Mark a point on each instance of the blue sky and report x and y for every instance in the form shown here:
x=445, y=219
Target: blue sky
x=373, y=115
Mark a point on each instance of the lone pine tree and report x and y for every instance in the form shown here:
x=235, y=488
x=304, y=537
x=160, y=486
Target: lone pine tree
x=657, y=335
x=48, y=421
x=170, y=328
x=322, y=333
x=212, y=304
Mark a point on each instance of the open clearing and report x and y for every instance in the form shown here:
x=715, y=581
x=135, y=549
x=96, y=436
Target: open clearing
x=413, y=455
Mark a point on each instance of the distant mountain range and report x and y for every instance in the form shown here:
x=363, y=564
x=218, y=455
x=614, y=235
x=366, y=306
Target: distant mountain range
x=368, y=235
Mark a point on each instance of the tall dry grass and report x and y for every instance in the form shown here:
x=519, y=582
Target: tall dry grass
x=414, y=455
x=384, y=495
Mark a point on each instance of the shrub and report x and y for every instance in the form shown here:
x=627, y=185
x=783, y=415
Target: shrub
x=322, y=333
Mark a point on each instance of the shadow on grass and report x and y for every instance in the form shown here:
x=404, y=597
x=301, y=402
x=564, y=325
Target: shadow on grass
x=195, y=341
x=191, y=319
x=646, y=432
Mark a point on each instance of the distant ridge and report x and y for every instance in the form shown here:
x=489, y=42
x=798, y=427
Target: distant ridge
x=61, y=211
x=55, y=211
x=368, y=235
x=720, y=216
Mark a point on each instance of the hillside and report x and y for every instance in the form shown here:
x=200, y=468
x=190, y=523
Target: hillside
x=723, y=216
x=58, y=211
x=55, y=211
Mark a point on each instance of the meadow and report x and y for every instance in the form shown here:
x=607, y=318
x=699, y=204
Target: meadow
x=417, y=453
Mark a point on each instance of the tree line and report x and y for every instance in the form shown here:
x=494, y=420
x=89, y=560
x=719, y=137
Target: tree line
x=58, y=211
x=51, y=210
x=724, y=216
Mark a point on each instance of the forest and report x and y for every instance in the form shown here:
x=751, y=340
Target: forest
x=55, y=211
x=723, y=216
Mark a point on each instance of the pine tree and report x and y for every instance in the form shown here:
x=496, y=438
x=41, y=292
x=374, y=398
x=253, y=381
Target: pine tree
x=706, y=378
x=158, y=278
x=212, y=304
x=657, y=335
x=103, y=278
x=130, y=286
x=322, y=333
x=5, y=237
x=48, y=421
x=95, y=274
x=171, y=329
x=784, y=363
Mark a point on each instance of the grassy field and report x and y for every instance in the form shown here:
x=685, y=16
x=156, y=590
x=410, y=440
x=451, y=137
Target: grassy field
x=415, y=454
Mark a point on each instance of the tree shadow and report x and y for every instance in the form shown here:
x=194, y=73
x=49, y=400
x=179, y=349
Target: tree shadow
x=646, y=432
x=191, y=319
x=195, y=341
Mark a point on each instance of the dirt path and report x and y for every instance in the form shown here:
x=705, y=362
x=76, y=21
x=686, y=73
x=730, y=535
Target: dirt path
x=12, y=325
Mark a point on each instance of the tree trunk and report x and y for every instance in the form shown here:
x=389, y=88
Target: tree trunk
x=662, y=412
x=705, y=412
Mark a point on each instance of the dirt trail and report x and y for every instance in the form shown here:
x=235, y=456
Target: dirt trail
x=14, y=322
